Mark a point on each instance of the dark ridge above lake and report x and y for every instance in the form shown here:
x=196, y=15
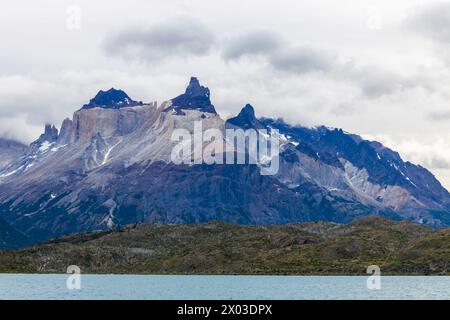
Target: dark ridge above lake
x=219, y=248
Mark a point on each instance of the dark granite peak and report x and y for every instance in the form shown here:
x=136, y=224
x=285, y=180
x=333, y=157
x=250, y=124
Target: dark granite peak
x=111, y=99
x=246, y=119
x=195, y=97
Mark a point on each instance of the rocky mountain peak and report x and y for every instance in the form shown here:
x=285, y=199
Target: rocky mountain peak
x=111, y=99
x=50, y=134
x=196, y=97
x=248, y=112
x=246, y=118
x=194, y=89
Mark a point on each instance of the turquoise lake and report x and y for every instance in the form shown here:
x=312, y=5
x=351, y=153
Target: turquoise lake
x=22, y=286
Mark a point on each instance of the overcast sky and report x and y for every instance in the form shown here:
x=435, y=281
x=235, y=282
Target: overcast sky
x=380, y=69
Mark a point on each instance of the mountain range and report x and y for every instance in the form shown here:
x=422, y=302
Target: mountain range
x=110, y=166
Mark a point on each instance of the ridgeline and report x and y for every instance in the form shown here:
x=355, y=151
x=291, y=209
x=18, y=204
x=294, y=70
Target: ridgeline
x=218, y=248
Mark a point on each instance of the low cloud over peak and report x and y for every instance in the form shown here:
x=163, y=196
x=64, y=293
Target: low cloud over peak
x=303, y=59
x=176, y=37
x=259, y=42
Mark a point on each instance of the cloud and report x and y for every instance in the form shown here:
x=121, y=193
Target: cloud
x=439, y=116
x=375, y=81
x=439, y=162
x=431, y=21
x=27, y=103
x=17, y=128
x=372, y=81
x=253, y=43
x=303, y=60
x=21, y=95
x=282, y=55
x=184, y=37
x=177, y=37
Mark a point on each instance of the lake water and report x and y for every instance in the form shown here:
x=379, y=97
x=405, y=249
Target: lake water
x=21, y=286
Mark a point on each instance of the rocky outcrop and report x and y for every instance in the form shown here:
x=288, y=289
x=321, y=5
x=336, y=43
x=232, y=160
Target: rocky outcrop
x=50, y=134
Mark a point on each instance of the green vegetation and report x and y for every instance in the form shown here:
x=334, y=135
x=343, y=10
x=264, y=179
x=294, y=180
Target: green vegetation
x=218, y=248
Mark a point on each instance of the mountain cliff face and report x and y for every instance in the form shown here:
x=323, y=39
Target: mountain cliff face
x=110, y=165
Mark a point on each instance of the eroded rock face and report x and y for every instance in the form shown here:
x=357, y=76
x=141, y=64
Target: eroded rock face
x=96, y=153
x=108, y=122
x=67, y=134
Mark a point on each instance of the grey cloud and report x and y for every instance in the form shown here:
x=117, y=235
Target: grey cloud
x=175, y=37
x=374, y=81
x=280, y=54
x=19, y=129
x=343, y=109
x=34, y=99
x=439, y=115
x=438, y=162
x=431, y=21
x=253, y=43
x=302, y=60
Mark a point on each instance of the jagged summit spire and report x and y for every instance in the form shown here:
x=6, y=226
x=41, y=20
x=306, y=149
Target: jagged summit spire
x=111, y=99
x=248, y=111
x=196, y=97
x=50, y=134
x=194, y=89
x=246, y=118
